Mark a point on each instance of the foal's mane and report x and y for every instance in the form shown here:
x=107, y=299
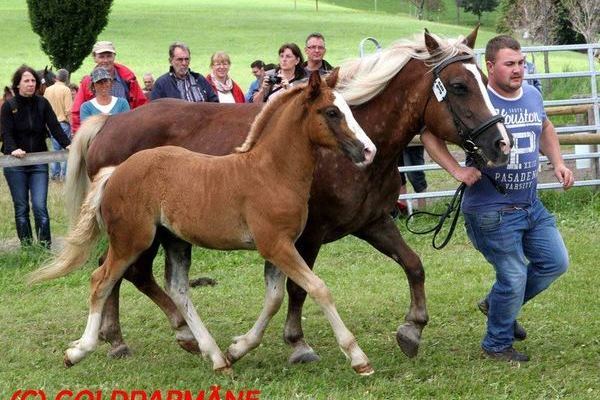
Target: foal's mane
x=362, y=79
x=259, y=123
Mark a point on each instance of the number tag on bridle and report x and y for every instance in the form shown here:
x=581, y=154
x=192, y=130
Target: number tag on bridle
x=439, y=90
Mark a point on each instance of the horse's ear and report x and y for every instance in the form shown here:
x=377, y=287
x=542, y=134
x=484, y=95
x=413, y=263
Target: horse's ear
x=45, y=69
x=314, y=85
x=470, y=40
x=332, y=78
x=430, y=42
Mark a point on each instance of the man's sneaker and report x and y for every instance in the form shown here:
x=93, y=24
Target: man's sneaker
x=509, y=354
x=519, y=332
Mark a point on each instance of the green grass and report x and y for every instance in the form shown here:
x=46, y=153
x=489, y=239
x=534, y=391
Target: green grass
x=371, y=292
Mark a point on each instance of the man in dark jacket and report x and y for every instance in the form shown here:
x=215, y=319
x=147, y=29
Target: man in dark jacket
x=180, y=82
x=315, y=51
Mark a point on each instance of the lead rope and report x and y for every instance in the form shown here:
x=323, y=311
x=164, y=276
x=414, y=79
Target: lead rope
x=452, y=207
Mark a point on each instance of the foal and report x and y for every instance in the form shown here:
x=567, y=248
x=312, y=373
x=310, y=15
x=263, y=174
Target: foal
x=182, y=197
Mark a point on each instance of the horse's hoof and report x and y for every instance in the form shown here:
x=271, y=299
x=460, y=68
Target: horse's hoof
x=227, y=370
x=409, y=338
x=72, y=356
x=304, y=356
x=67, y=362
x=120, y=351
x=231, y=359
x=191, y=346
x=364, y=370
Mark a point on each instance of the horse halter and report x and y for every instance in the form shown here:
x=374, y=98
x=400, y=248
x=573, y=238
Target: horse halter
x=467, y=135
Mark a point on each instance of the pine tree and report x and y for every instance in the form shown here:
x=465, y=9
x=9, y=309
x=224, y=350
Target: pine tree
x=68, y=28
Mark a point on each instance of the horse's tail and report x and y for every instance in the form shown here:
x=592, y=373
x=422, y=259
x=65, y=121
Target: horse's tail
x=77, y=182
x=81, y=238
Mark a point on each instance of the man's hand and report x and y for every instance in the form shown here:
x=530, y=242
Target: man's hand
x=468, y=175
x=564, y=176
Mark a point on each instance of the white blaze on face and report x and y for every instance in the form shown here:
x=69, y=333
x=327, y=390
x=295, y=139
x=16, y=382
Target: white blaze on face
x=473, y=69
x=370, y=148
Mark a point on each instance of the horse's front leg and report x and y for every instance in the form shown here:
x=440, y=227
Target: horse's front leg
x=385, y=237
x=140, y=274
x=308, y=245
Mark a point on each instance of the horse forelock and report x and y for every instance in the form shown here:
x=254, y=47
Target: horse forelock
x=269, y=111
x=361, y=79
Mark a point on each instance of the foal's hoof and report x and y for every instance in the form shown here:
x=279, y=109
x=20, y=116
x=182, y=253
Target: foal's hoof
x=120, y=351
x=409, y=338
x=191, y=346
x=228, y=371
x=303, y=355
x=364, y=370
x=73, y=356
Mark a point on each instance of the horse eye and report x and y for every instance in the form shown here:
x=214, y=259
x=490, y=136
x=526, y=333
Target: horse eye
x=459, y=88
x=332, y=113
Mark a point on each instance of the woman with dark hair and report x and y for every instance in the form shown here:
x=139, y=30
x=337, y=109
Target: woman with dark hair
x=26, y=120
x=288, y=73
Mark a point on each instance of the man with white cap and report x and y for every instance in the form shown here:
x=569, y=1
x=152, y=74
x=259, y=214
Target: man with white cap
x=125, y=83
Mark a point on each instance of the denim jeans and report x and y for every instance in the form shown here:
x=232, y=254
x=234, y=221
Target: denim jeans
x=59, y=170
x=22, y=181
x=528, y=254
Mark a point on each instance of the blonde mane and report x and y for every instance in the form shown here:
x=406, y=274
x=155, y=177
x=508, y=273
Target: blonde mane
x=258, y=125
x=362, y=79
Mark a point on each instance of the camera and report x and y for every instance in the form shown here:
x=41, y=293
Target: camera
x=274, y=79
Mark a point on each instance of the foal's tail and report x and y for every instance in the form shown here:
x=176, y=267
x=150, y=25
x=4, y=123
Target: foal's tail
x=81, y=238
x=77, y=182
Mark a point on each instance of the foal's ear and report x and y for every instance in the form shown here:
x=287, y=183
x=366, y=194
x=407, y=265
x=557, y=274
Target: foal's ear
x=314, y=85
x=332, y=78
x=470, y=40
x=430, y=42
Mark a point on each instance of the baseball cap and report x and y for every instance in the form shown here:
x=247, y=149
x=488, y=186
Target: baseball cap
x=103, y=46
x=99, y=74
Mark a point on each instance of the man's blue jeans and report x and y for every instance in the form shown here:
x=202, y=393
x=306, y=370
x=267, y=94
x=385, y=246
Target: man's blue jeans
x=528, y=254
x=59, y=170
x=22, y=181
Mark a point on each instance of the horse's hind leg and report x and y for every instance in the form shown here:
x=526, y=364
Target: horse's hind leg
x=140, y=274
x=291, y=263
x=386, y=238
x=274, y=282
x=102, y=282
x=178, y=260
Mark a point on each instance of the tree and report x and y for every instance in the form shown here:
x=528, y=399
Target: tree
x=420, y=5
x=585, y=17
x=68, y=28
x=478, y=7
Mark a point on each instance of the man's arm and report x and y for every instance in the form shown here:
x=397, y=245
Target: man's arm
x=438, y=151
x=550, y=146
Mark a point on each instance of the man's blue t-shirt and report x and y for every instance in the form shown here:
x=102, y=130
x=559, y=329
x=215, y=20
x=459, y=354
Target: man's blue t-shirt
x=523, y=118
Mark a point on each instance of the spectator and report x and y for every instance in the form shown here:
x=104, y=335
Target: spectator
x=288, y=73
x=148, y=84
x=180, y=82
x=26, y=120
x=60, y=98
x=258, y=70
x=74, y=88
x=530, y=69
x=315, y=51
x=412, y=156
x=514, y=231
x=125, y=83
x=104, y=102
x=227, y=90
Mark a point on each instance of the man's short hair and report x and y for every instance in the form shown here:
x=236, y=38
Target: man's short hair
x=62, y=75
x=257, y=64
x=498, y=43
x=314, y=35
x=181, y=45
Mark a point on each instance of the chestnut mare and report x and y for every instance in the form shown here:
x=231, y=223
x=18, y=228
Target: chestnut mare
x=392, y=97
x=262, y=205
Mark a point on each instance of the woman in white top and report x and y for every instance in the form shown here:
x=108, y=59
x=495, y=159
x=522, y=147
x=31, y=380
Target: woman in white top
x=227, y=90
x=104, y=102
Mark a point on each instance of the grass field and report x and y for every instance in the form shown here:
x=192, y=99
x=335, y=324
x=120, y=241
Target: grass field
x=371, y=292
